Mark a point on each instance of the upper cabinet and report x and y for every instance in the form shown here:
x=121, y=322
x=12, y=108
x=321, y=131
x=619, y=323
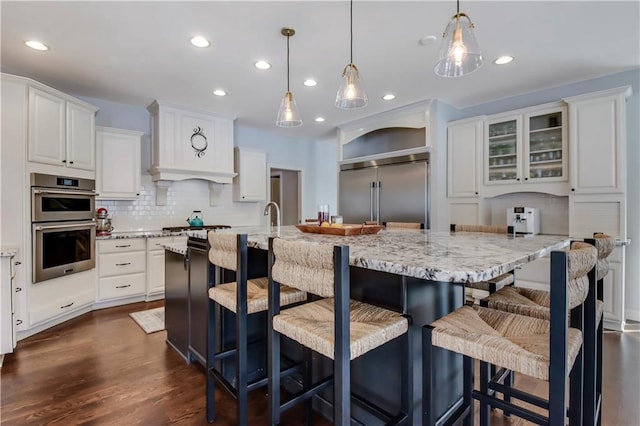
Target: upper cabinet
x=251, y=182
x=464, y=158
x=118, y=169
x=61, y=130
x=597, y=141
x=526, y=150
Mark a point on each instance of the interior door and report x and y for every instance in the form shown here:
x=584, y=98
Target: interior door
x=403, y=193
x=356, y=201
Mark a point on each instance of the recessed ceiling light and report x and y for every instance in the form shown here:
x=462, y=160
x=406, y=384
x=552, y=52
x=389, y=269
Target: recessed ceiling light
x=503, y=60
x=200, y=41
x=219, y=92
x=319, y=119
x=427, y=40
x=310, y=82
x=262, y=65
x=34, y=44
x=389, y=97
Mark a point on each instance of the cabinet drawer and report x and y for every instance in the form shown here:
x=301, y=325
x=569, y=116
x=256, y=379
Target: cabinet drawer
x=61, y=306
x=121, y=263
x=121, y=245
x=121, y=286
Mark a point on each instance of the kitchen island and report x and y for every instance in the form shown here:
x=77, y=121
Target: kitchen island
x=421, y=273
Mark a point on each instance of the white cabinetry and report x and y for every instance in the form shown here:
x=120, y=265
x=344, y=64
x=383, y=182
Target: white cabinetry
x=464, y=158
x=122, y=269
x=526, y=150
x=250, y=184
x=155, y=264
x=61, y=131
x=118, y=168
x=7, y=320
x=598, y=141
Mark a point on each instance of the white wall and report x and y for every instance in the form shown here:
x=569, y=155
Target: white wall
x=315, y=159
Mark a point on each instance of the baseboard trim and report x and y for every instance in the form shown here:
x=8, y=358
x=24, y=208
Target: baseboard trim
x=632, y=314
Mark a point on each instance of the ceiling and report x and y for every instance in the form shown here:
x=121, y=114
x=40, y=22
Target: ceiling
x=134, y=52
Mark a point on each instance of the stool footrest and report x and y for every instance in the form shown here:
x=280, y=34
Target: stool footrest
x=518, y=394
x=511, y=408
x=308, y=393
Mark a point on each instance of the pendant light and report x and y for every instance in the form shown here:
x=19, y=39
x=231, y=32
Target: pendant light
x=288, y=115
x=351, y=92
x=459, y=53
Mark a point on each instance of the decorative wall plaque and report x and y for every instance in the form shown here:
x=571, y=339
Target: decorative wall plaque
x=199, y=141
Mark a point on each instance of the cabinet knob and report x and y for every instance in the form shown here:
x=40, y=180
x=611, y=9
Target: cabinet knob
x=70, y=162
x=573, y=189
x=137, y=194
x=526, y=178
x=476, y=192
x=64, y=161
x=518, y=179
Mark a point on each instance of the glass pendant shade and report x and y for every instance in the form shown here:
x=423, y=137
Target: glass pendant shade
x=459, y=52
x=351, y=93
x=288, y=114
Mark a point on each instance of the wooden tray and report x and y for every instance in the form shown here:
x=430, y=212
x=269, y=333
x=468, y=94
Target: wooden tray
x=345, y=229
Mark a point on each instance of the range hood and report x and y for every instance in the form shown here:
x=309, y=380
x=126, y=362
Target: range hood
x=190, y=144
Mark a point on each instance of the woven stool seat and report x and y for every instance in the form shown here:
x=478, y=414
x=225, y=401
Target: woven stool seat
x=516, y=342
x=493, y=229
x=257, y=293
x=312, y=324
x=404, y=225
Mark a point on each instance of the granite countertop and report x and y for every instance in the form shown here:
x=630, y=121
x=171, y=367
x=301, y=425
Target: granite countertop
x=426, y=254
x=139, y=234
x=180, y=248
x=8, y=252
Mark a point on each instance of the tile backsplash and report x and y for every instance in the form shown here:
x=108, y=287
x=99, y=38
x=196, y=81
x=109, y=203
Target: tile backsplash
x=554, y=210
x=182, y=198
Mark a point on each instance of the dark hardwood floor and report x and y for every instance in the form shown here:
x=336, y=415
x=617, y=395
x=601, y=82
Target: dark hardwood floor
x=102, y=369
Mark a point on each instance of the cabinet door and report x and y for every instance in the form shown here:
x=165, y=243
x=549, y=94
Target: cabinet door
x=251, y=182
x=503, y=150
x=613, y=295
x=46, y=128
x=545, y=146
x=155, y=272
x=118, y=170
x=598, y=143
x=80, y=137
x=464, y=158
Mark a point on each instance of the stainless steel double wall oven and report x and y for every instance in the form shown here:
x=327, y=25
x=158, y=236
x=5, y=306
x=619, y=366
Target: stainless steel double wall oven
x=63, y=225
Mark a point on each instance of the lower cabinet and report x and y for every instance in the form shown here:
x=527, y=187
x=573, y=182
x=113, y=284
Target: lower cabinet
x=121, y=269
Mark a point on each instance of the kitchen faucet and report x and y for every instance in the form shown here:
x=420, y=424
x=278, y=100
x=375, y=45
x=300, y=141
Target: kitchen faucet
x=266, y=212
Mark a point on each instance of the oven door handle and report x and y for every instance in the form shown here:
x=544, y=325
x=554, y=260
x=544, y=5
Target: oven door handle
x=72, y=225
x=70, y=192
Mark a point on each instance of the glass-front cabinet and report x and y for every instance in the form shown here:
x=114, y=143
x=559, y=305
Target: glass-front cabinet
x=526, y=148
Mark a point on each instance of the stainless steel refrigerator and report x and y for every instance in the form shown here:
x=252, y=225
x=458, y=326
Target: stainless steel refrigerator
x=388, y=190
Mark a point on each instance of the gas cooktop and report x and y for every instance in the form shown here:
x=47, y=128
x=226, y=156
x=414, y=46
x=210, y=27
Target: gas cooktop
x=194, y=228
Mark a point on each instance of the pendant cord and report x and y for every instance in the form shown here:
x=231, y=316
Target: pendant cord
x=351, y=29
x=457, y=7
x=287, y=63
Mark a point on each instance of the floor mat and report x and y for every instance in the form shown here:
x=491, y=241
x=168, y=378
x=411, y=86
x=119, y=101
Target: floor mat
x=151, y=320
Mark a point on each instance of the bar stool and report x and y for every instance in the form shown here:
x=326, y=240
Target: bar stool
x=403, y=225
x=334, y=326
x=536, y=303
x=519, y=343
x=243, y=297
x=495, y=283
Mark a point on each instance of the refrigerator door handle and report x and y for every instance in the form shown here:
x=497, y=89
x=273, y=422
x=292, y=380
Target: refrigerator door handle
x=371, y=190
x=378, y=202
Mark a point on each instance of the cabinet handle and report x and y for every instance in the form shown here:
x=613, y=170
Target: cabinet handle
x=17, y=262
x=18, y=289
x=123, y=264
x=126, y=245
x=66, y=306
x=18, y=322
x=123, y=286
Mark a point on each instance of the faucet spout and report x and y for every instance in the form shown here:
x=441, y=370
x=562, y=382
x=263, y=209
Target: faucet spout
x=266, y=212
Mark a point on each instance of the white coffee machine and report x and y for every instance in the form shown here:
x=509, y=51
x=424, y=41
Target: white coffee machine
x=525, y=220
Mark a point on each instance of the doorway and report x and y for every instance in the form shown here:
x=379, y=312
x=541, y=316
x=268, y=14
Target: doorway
x=285, y=191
